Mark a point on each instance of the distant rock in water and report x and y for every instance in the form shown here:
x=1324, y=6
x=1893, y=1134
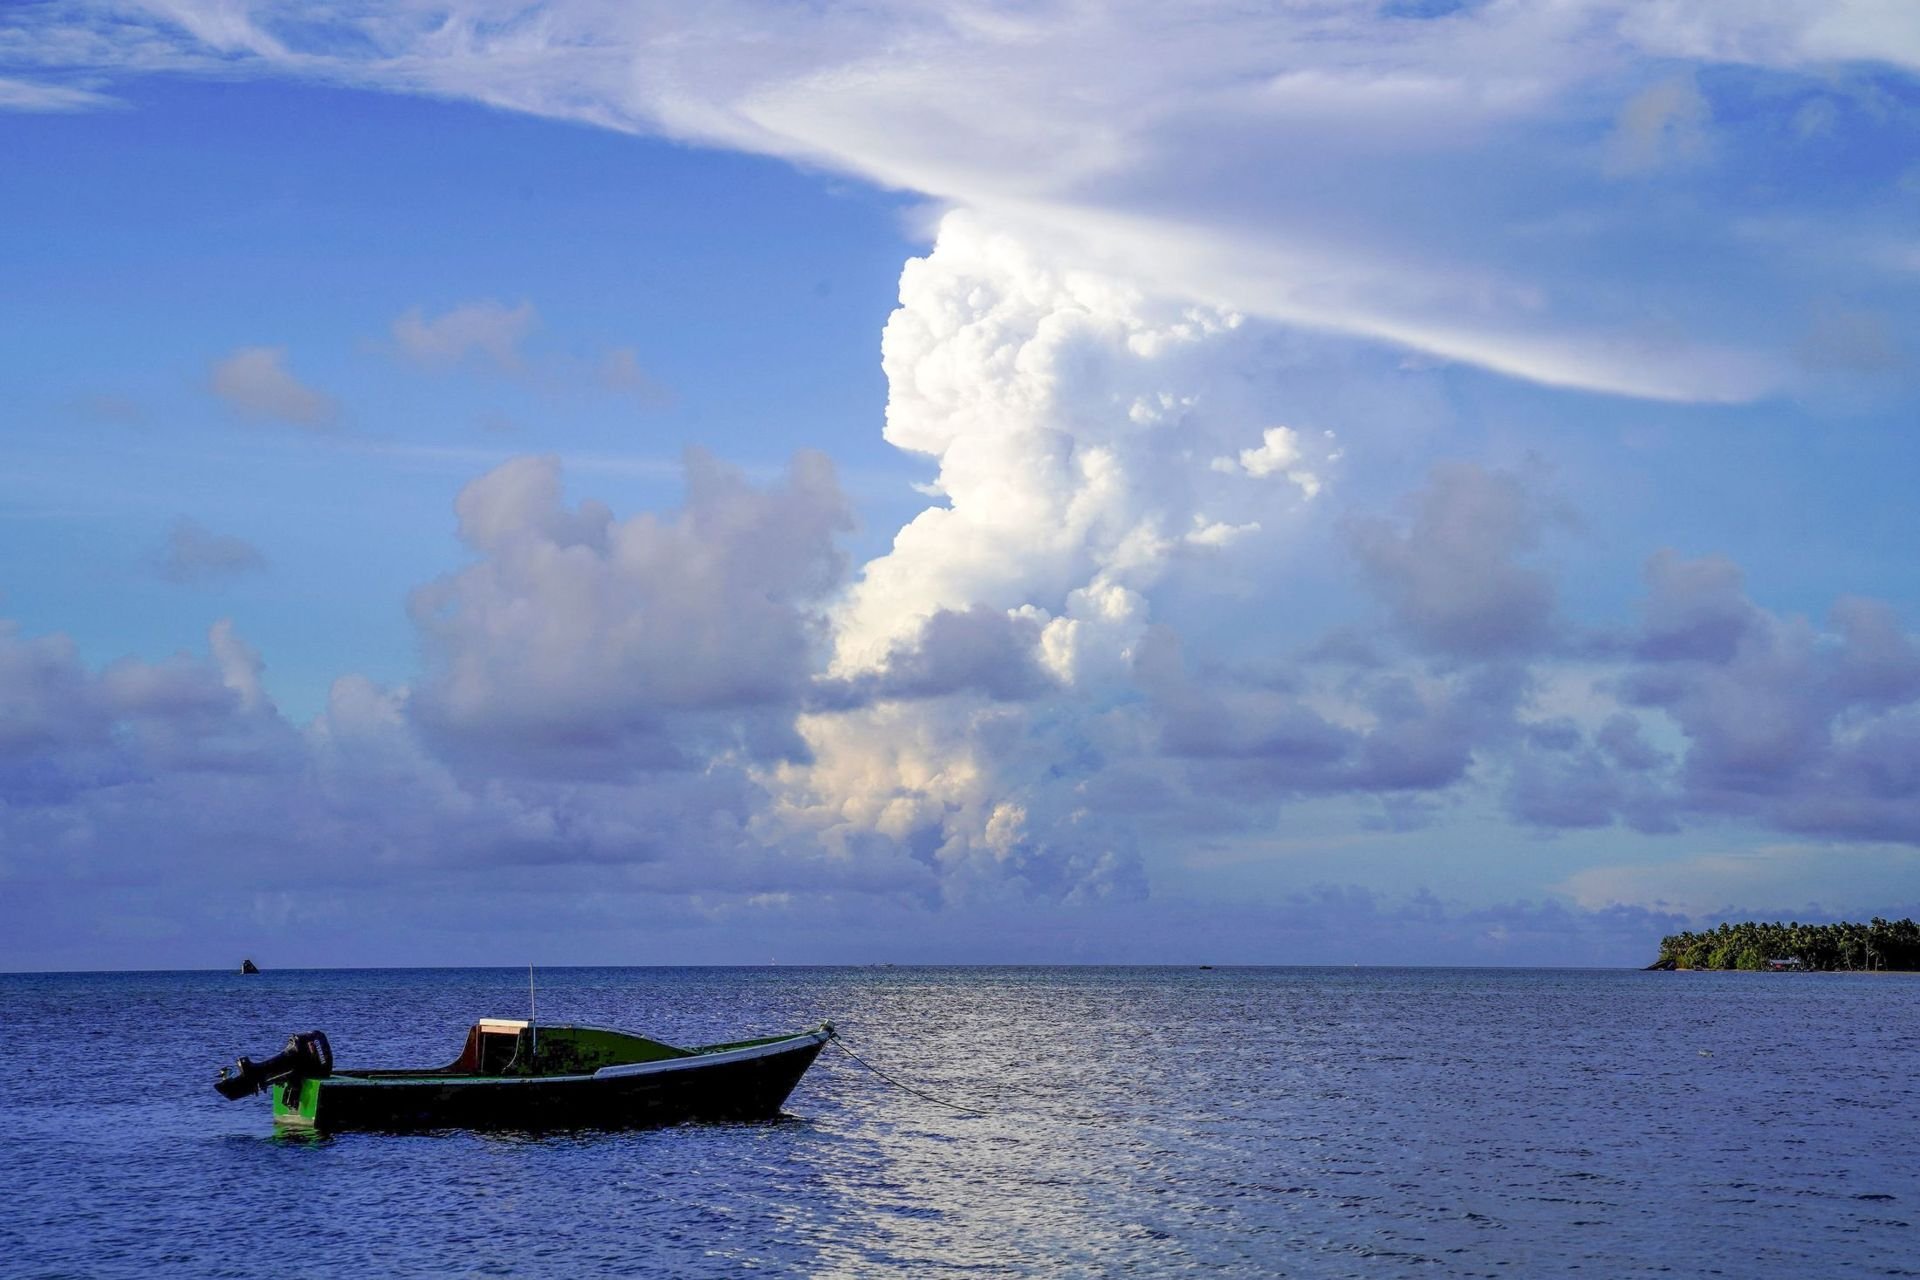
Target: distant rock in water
x=248, y=966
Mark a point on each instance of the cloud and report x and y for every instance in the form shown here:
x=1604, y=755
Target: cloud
x=1072, y=419
x=1261, y=159
x=646, y=701
x=72, y=730
x=1388, y=733
x=1806, y=881
x=49, y=700
x=1082, y=654
x=620, y=372
x=980, y=649
x=1731, y=711
x=982, y=699
x=1451, y=575
x=1815, y=119
x=620, y=696
x=110, y=408
x=491, y=335
x=1694, y=608
x=195, y=555
x=36, y=96
x=1662, y=126
x=1850, y=340
x=598, y=692
x=486, y=330
x=256, y=384
x=1563, y=779
x=602, y=643
x=1278, y=454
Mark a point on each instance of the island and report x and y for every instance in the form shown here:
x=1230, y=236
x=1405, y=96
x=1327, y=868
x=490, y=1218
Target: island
x=1877, y=945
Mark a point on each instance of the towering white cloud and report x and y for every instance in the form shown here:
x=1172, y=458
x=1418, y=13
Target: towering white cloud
x=1074, y=420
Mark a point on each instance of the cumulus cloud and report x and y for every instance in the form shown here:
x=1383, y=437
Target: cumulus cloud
x=488, y=331
x=1562, y=778
x=1452, y=572
x=983, y=799
x=1393, y=735
x=71, y=729
x=620, y=372
x=647, y=701
x=256, y=384
x=600, y=642
x=196, y=555
x=1694, y=608
x=599, y=692
x=1072, y=419
x=491, y=336
x=1277, y=454
x=49, y=699
x=979, y=648
x=977, y=702
x=1728, y=710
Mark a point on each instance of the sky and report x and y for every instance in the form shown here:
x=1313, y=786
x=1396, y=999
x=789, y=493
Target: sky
x=575, y=483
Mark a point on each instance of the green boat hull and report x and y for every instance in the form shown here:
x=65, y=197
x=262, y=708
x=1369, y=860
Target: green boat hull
x=583, y=1078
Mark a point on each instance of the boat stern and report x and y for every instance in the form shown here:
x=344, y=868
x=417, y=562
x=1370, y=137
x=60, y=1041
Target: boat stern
x=296, y=1103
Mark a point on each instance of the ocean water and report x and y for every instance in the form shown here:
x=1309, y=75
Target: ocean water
x=1140, y=1122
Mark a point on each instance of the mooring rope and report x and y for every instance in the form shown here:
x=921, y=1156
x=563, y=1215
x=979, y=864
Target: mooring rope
x=898, y=1084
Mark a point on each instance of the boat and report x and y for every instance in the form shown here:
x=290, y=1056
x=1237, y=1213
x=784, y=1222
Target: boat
x=513, y=1074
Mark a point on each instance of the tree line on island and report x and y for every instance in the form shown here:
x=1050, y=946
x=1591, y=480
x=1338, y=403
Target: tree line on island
x=1878, y=944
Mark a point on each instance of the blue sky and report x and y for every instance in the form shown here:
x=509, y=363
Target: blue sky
x=309, y=219
x=953, y=483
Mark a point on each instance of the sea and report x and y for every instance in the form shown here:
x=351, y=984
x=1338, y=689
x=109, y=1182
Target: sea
x=1308, y=1122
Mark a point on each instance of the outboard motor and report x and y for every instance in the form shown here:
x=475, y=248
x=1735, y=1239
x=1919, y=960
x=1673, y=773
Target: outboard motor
x=306, y=1057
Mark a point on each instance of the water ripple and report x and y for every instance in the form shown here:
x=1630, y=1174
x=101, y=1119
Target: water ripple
x=1296, y=1122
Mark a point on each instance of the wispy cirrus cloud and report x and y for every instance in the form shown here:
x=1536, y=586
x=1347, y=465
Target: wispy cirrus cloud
x=1343, y=166
x=39, y=96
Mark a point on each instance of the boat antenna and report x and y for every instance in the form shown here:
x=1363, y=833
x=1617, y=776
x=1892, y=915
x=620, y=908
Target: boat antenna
x=533, y=1028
